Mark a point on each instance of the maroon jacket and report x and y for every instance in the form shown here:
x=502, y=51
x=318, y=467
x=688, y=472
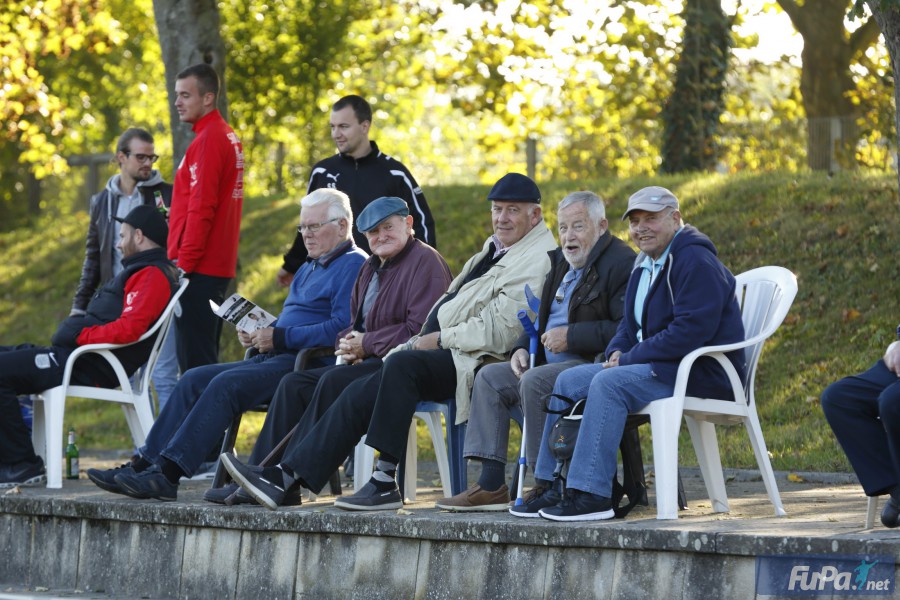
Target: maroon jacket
x=410, y=284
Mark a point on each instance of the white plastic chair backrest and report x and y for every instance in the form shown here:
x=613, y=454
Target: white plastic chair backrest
x=162, y=325
x=765, y=295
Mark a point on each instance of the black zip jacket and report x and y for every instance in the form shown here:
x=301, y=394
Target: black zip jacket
x=364, y=180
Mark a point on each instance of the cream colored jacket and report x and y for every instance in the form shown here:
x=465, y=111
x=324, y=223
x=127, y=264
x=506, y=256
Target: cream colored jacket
x=481, y=322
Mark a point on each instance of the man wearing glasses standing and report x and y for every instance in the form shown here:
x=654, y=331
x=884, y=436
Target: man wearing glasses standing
x=137, y=183
x=205, y=220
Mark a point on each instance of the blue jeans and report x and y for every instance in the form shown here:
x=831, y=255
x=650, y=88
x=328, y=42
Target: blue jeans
x=205, y=401
x=612, y=394
x=165, y=373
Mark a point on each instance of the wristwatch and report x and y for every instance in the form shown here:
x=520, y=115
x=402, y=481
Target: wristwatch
x=441, y=346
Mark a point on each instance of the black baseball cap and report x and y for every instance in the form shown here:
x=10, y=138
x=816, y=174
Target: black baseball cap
x=150, y=221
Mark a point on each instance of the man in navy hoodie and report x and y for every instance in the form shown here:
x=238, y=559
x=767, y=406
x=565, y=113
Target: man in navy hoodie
x=680, y=297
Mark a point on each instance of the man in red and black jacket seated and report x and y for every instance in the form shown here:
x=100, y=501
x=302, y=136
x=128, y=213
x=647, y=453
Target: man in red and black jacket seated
x=118, y=313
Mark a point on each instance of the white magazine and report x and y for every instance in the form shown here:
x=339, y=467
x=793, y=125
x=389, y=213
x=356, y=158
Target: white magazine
x=245, y=315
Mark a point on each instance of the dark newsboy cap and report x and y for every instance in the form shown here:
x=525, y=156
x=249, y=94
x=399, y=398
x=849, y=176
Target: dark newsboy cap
x=515, y=187
x=150, y=221
x=380, y=209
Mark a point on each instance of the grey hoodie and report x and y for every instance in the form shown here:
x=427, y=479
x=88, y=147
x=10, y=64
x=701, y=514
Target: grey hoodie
x=101, y=259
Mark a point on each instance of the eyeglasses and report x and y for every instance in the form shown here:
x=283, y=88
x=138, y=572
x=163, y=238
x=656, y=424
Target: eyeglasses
x=142, y=158
x=315, y=227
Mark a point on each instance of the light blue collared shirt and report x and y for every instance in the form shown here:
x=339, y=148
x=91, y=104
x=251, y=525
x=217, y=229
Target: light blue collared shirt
x=650, y=270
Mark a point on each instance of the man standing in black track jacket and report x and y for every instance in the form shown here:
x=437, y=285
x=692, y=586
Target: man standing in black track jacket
x=364, y=173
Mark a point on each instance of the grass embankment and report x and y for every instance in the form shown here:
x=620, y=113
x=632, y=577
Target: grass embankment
x=838, y=235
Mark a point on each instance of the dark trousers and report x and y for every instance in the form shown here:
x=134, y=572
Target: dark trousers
x=205, y=401
x=380, y=406
x=25, y=369
x=296, y=393
x=198, y=328
x=864, y=413
x=408, y=377
x=331, y=438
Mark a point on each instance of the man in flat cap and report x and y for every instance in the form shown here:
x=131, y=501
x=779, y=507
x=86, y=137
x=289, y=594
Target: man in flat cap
x=473, y=322
x=680, y=297
x=394, y=291
x=207, y=398
x=120, y=312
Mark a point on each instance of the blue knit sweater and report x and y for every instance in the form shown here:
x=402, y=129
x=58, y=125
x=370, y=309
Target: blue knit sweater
x=318, y=305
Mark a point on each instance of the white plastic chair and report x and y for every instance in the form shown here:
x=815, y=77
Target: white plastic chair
x=364, y=457
x=50, y=405
x=765, y=295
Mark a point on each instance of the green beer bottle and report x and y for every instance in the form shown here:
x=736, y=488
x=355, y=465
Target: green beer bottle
x=71, y=457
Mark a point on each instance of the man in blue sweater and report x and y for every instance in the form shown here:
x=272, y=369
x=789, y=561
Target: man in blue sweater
x=680, y=297
x=207, y=398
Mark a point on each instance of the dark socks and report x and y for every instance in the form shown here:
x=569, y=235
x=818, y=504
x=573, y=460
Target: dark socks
x=139, y=463
x=172, y=471
x=493, y=475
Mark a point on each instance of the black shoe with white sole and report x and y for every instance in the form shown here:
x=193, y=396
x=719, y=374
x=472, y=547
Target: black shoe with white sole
x=369, y=497
x=265, y=486
x=22, y=473
x=580, y=506
x=538, y=498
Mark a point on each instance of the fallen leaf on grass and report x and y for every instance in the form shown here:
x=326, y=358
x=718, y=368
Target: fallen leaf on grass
x=812, y=399
x=795, y=478
x=849, y=314
x=842, y=230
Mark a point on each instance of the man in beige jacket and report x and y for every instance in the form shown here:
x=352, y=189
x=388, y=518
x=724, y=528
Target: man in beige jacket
x=474, y=321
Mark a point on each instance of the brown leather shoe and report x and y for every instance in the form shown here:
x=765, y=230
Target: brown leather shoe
x=476, y=499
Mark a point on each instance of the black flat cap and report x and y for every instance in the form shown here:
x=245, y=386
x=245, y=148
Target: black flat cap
x=515, y=187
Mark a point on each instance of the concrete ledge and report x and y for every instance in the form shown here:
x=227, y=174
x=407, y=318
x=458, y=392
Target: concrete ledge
x=83, y=539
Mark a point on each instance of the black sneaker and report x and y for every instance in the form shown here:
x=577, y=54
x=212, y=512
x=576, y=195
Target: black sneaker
x=265, y=486
x=221, y=495
x=370, y=498
x=22, y=473
x=148, y=484
x=105, y=479
x=539, y=497
x=580, y=506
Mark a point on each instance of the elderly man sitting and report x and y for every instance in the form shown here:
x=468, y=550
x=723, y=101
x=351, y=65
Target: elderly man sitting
x=207, y=398
x=475, y=320
x=581, y=305
x=680, y=297
x=393, y=294
x=120, y=312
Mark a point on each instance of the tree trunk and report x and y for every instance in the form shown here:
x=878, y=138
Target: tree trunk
x=888, y=19
x=189, y=35
x=691, y=115
x=825, y=80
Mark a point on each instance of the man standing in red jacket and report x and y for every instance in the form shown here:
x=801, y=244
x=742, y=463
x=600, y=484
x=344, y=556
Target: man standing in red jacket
x=205, y=217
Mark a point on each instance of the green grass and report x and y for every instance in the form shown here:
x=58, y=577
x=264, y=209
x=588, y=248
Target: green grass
x=837, y=234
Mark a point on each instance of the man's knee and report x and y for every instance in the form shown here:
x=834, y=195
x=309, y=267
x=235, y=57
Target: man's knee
x=889, y=404
x=836, y=398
